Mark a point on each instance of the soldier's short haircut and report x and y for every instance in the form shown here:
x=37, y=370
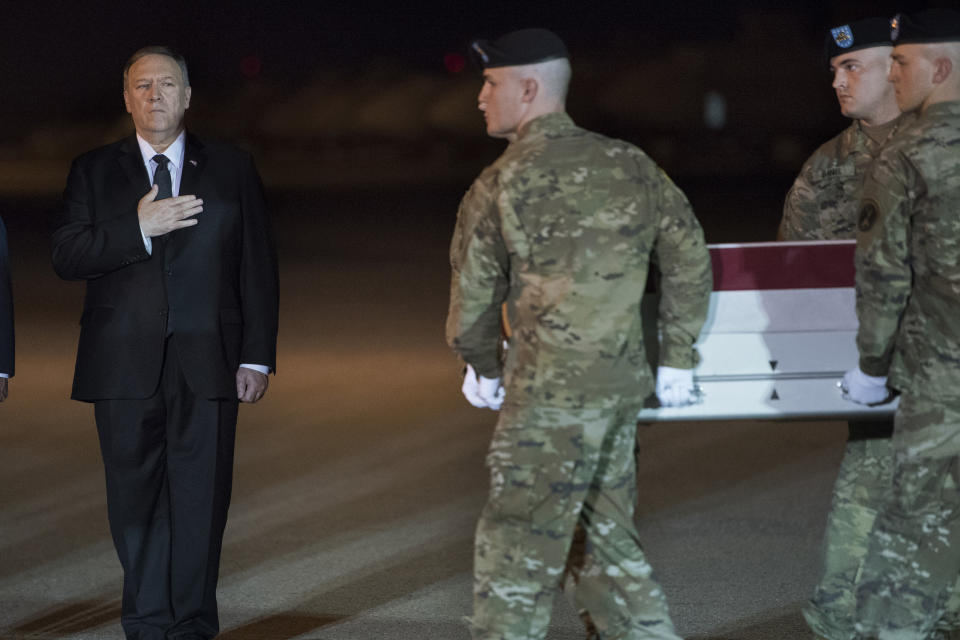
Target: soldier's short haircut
x=950, y=50
x=157, y=50
x=553, y=76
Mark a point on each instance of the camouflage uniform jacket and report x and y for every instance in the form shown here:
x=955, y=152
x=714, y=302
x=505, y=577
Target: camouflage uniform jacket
x=562, y=227
x=824, y=200
x=908, y=258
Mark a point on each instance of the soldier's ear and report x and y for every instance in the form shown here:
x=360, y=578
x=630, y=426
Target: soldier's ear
x=942, y=68
x=530, y=89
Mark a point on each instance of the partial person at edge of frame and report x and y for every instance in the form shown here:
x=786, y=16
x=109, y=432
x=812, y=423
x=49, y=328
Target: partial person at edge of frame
x=908, y=302
x=6, y=317
x=823, y=204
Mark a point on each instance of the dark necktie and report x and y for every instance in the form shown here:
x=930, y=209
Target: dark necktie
x=161, y=177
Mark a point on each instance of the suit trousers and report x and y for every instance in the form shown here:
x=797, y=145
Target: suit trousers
x=169, y=467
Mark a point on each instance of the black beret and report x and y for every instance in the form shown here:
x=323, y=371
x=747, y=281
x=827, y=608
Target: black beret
x=526, y=46
x=862, y=34
x=931, y=25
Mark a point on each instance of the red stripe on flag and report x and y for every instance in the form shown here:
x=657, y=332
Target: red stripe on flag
x=782, y=265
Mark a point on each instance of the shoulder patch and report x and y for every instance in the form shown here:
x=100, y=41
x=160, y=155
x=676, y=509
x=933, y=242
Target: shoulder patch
x=868, y=216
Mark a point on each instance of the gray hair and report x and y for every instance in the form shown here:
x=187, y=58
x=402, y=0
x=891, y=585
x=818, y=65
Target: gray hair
x=157, y=50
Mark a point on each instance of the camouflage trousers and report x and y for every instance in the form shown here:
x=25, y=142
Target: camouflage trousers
x=913, y=557
x=862, y=488
x=553, y=470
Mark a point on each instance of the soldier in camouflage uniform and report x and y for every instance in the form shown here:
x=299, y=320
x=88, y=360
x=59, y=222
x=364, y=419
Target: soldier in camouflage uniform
x=823, y=202
x=823, y=205
x=561, y=227
x=908, y=304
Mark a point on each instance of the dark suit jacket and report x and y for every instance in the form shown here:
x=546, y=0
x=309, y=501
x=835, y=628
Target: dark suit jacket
x=213, y=284
x=6, y=306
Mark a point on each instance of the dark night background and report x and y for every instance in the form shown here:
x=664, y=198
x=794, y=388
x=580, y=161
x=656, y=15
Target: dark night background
x=367, y=136
x=359, y=478
x=355, y=96
x=334, y=94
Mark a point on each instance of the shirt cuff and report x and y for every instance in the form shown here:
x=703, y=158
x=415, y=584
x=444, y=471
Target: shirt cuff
x=147, y=243
x=257, y=367
x=4, y=375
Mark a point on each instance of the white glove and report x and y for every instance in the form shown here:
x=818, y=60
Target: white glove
x=482, y=392
x=675, y=386
x=863, y=389
x=491, y=392
x=471, y=388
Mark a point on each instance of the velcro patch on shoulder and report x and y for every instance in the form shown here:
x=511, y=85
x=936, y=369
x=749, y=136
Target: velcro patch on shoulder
x=869, y=214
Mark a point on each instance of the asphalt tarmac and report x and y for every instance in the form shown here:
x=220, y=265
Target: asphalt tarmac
x=359, y=477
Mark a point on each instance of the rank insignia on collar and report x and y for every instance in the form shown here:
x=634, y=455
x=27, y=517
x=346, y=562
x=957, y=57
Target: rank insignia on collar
x=843, y=36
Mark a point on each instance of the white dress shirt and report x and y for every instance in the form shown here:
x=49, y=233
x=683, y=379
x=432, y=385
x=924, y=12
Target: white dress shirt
x=174, y=154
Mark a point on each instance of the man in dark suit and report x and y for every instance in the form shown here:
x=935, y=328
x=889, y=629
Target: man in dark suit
x=179, y=324
x=6, y=316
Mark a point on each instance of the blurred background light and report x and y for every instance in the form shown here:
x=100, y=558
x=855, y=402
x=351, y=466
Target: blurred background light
x=454, y=62
x=251, y=66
